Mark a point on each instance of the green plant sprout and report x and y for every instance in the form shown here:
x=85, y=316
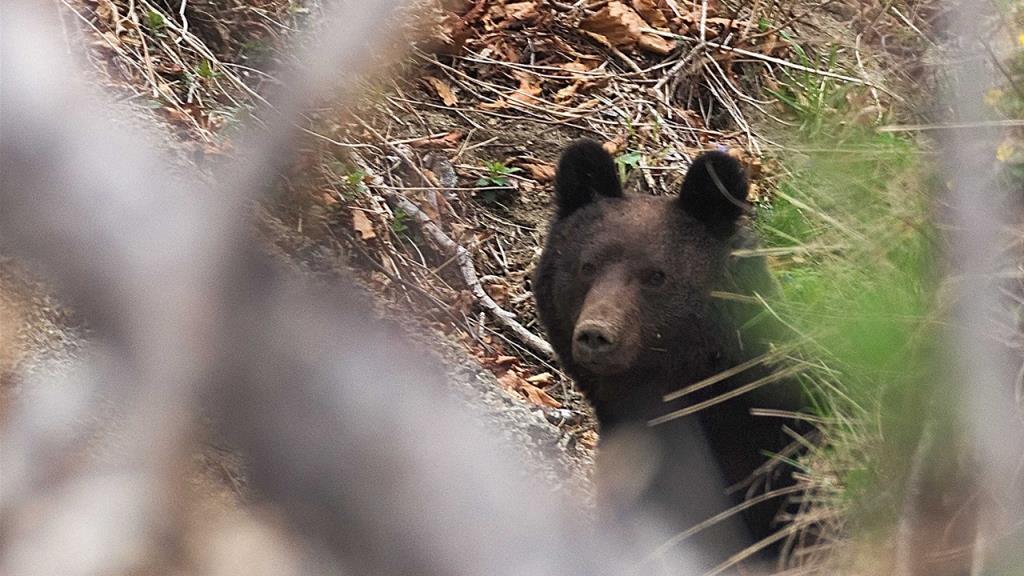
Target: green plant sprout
x=626, y=163
x=498, y=174
x=399, y=223
x=495, y=181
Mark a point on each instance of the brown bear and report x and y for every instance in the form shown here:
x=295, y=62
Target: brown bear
x=624, y=289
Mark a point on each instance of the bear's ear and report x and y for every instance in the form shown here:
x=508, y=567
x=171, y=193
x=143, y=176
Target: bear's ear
x=585, y=172
x=715, y=192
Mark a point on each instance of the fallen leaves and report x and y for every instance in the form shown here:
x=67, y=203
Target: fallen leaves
x=652, y=12
x=511, y=378
x=623, y=27
x=498, y=291
x=582, y=79
x=541, y=172
x=106, y=12
x=538, y=396
x=529, y=87
x=543, y=379
x=527, y=93
x=615, y=145
x=522, y=11
x=447, y=141
x=515, y=383
x=513, y=15
x=442, y=89
x=537, y=65
x=361, y=223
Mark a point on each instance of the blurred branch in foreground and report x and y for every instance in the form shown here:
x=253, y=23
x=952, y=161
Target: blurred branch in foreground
x=976, y=482
x=335, y=413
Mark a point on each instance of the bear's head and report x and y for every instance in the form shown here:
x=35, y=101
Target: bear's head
x=624, y=286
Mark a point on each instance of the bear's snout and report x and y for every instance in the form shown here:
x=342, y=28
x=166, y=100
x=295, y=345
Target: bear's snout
x=594, y=338
x=601, y=346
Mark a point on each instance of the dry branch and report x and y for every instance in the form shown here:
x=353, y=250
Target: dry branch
x=504, y=318
x=779, y=62
x=464, y=259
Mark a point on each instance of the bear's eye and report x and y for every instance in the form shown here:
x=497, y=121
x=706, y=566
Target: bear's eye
x=588, y=269
x=654, y=278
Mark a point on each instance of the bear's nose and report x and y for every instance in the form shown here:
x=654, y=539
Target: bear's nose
x=592, y=339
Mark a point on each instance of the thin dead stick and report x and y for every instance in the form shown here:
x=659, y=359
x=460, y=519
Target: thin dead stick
x=779, y=61
x=469, y=275
x=146, y=58
x=464, y=260
x=184, y=20
x=459, y=253
x=703, y=20
x=677, y=67
x=860, y=66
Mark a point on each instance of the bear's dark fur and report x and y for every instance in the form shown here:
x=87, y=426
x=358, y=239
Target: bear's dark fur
x=624, y=289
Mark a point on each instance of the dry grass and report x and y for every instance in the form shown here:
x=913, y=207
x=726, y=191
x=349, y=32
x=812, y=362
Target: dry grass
x=203, y=70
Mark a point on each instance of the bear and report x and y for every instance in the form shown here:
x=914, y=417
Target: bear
x=625, y=289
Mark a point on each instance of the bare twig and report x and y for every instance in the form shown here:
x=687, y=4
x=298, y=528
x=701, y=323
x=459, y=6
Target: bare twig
x=465, y=262
x=780, y=62
x=703, y=21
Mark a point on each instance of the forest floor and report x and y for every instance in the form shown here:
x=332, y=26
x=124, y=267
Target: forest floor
x=463, y=132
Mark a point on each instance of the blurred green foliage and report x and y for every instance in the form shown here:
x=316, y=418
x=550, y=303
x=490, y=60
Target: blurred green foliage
x=854, y=249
